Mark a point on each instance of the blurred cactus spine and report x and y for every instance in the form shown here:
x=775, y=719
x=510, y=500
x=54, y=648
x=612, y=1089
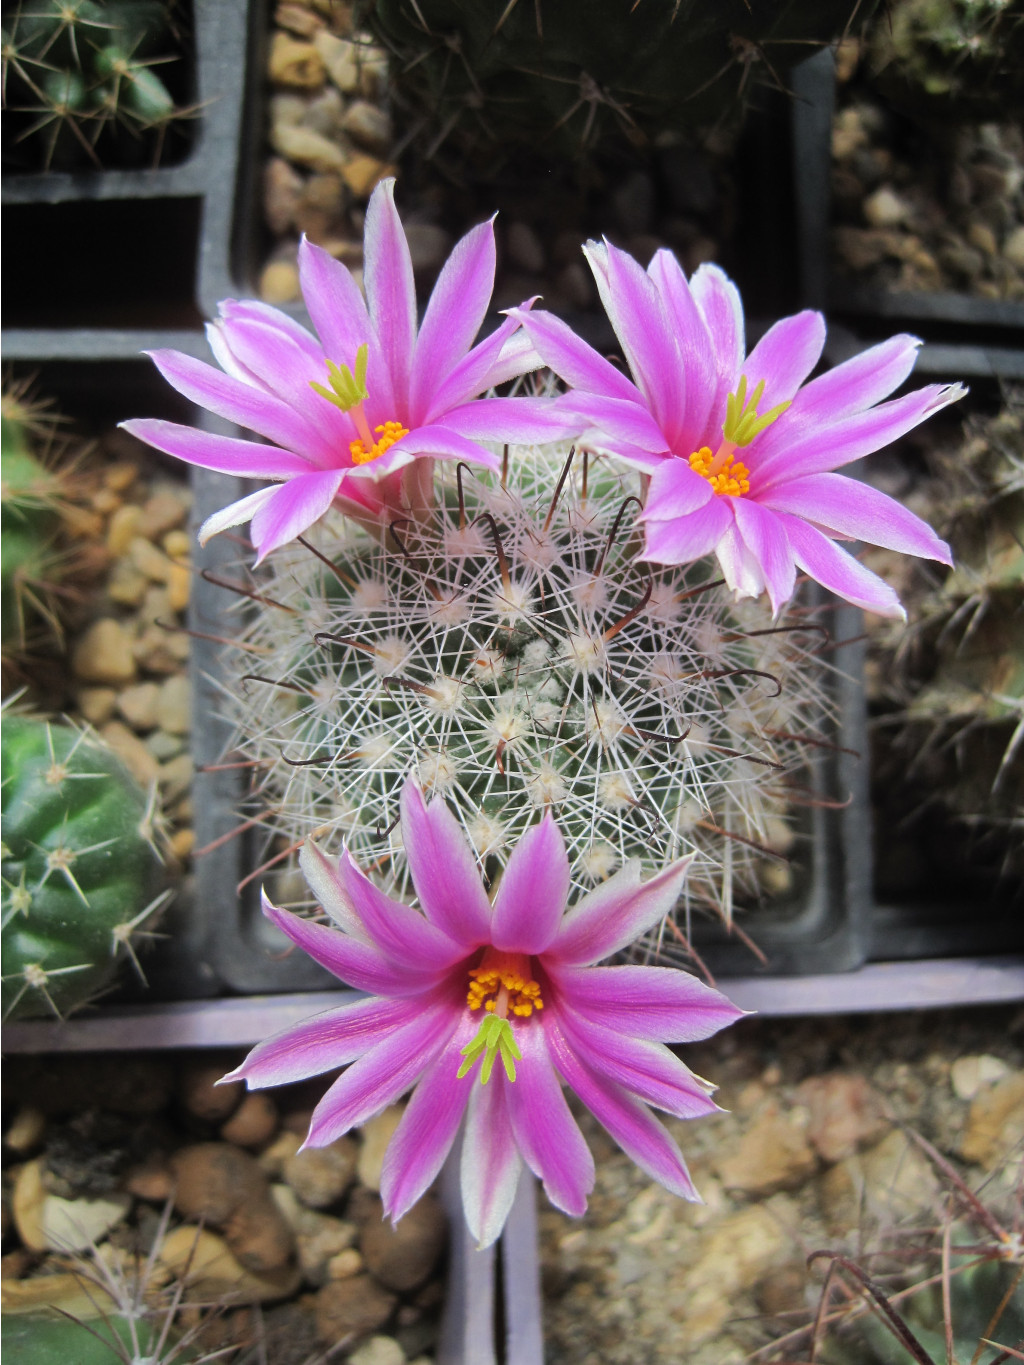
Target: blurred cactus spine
x=80, y=82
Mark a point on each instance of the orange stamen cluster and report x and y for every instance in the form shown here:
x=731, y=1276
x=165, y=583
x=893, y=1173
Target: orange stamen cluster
x=732, y=477
x=389, y=433
x=501, y=987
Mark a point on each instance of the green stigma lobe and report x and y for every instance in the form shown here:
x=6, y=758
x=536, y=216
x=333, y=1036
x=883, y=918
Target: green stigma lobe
x=742, y=422
x=347, y=389
x=494, y=1037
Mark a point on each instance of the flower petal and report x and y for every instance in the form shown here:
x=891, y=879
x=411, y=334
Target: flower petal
x=235, y=513
x=629, y=1122
x=847, y=507
x=646, y=1069
x=572, y=359
x=520, y=421
x=245, y=405
x=785, y=356
x=321, y=872
x=545, y=1131
x=440, y=441
x=491, y=1164
x=443, y=868
x=684, y=539
x=381, y=1075
x=615, y=913
x=293, y=509
x=532, y=891
x=357, y=964
x=838, y=571
x=324, y=1042
x=765, y=537
x=676, y=491
x=814, y=451
x=338, y=312
x=503, y=355
x=617, y=420
x=286, y=370
x=226, y=454
x=857, y=383
x=427, y=1129
x=658, y=1003
x=390, y=290
x=634, y=308
x=454, y=315
x=740, y=567
x=698, y=354
x=719, y=301
x=399, y=932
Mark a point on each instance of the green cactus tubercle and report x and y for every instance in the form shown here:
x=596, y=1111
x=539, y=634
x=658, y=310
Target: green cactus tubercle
x=81, y=871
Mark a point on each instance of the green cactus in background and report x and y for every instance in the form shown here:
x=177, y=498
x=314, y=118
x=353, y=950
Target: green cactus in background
x=486, y=76
x=80, y=84
x=81, y=868
x=950, y=58
x=509, y=649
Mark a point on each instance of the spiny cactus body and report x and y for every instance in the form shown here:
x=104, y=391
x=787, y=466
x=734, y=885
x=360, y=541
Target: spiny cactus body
x=30, y=500
x=77, y=72
x=563, y=78
x=511, y=651
x=81, y=871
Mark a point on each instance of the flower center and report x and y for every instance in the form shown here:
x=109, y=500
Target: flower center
x=348, y=391
x=723, y=471
x=500, y=986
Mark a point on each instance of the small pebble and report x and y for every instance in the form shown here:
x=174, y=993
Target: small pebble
x=378, y=1351
x=885, y=208
x=341, y=58
x=361, y=173
x=174, y=705
x=295, y=63
x=97, y=703
x=279, y=282
x=254, y=1122
x=26, y=1130
x=377, y=1133
x=368, y=125
x=104, y=654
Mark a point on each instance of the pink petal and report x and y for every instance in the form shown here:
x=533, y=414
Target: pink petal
x=629, y=1122
x=293, y=509
x=646, y=1069
x=321, y=872
x=765, y=537
x=545, y=1131
x=676, y=491
x=381, y=1075
x=454, y=315
x=254, y=310
x=338, y=311
x=506, y=353
x=235, y=513
x=838, y=571
x=615, y=913
x=245, y=405
x=684, y=539
x=444, y=870
x=443, y=443
x=698, y=354
x=785, y=356
x=357, y=964
x=572, y=359
x=427, y=1129
x=324, y=1043
x=634, y=308
x=390, y=291
x=519, y=421
x=399, y=932
x=227, y=454
x=847, y=507
x=490, y=1160
x=789, y=456
x=740, y=567
x=532, y=891
x=658, y=1003
x=719, y=301
x=858, y=383
x=283, y=368
x=616, y=419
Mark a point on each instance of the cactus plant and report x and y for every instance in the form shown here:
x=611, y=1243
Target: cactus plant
x=81, y=867
x=564, y=78
x=510, y=651
x=79, y=78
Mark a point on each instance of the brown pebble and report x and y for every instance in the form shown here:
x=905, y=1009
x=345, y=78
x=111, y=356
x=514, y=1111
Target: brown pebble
x=402, y=1256
x=123, y=527
x=177, y=544
x=26, y=1130
x=362, y=173
x=353, y=1307
x=150, y=1181
x=182, y=842
x=295, y=64
x=297, y=19
x=344, y=1265
x=254, y=1122
x=321, y=1175
x=131, y=751
x=279, y=282
x=259, y=1235
x=202, y=1097
x=165, y=510
x=120, y=476
x=104, y=654
x=97, y=704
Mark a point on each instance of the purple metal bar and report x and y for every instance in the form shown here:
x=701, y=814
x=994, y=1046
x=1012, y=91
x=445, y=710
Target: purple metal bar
x=241, y=1021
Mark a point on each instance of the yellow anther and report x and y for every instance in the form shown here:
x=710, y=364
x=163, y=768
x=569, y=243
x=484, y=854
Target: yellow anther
x=502, y=987
x=388, y=434
x=729, y=476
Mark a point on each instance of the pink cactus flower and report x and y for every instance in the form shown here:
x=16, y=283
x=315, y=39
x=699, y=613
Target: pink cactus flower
x=350, y=410
x=739, y=449
x=484, y=1010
